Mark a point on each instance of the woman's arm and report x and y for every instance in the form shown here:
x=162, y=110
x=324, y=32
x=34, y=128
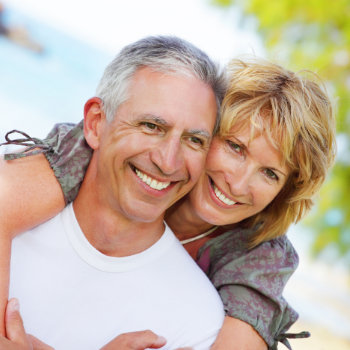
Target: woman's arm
x=29, y=195
x=34, y=189
x=5, y=251
x=238, y=335
x=251, y=282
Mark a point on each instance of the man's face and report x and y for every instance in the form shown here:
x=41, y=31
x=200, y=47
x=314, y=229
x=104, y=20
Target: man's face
x=154, y=150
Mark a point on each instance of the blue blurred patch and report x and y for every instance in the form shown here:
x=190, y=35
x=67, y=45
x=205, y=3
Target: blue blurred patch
x=56, y=82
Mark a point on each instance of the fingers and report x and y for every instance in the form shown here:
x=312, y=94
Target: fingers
x=38, y=344
x=14, y=324
x=146, y=339
x=136, y=341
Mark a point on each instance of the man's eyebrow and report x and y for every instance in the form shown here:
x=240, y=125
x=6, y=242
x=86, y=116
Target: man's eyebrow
x=199, y=132
x=161, y=121
x=153, y=118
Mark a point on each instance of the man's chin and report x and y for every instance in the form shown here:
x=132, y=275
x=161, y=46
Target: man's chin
x=144, y=214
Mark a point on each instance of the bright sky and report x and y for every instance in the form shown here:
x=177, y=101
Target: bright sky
x=111, y=24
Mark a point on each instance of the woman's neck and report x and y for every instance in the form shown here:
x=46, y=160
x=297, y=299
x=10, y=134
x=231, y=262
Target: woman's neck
x=184, y=221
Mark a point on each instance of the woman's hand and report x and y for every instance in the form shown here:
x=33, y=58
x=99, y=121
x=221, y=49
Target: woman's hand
x=137, y=341
x=238, y=335
x=17, y=339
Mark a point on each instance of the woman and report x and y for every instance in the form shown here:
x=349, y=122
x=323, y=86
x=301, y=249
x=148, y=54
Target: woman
x=270, y=156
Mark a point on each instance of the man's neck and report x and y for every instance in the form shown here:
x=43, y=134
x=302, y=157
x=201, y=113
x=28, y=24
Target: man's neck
x=107, y=230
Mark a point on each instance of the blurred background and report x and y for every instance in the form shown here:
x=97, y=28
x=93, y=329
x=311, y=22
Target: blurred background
x=52, y=54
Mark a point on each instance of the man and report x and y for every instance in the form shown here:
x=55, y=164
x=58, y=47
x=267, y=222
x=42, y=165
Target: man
x=108, y=265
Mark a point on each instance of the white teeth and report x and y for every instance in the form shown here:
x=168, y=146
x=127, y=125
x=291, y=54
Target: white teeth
x=157, y=185
x=222, y=197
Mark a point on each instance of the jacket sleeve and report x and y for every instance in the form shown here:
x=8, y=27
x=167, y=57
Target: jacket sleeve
x=69, y=157
x=251, y=282
x=66, y=150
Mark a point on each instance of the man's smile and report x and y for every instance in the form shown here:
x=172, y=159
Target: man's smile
x=150, y=181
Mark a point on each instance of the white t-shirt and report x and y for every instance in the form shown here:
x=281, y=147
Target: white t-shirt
x=75, y=298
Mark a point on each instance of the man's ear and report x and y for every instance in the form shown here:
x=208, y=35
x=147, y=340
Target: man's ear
x=94, y=119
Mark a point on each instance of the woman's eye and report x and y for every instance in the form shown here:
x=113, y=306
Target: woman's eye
x=271, y=174
x=234, y=146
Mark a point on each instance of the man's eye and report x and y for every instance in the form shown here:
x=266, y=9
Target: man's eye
x=150, y=126
x=271, y=174
x=196, y=140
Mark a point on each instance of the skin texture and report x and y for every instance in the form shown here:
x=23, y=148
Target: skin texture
x=238, y=335
x=5, y=253
x=136, y=341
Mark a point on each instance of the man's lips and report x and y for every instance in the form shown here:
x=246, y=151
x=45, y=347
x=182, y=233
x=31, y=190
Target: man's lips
x=150, y=181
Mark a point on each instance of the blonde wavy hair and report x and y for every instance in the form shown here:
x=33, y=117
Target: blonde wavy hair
x=297, y=115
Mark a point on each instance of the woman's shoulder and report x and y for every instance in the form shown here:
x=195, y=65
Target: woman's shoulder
x=232, y=245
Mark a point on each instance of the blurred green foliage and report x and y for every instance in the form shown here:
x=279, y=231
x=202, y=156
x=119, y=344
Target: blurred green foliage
x=315, y=34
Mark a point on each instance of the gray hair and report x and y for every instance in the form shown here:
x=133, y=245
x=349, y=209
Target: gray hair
x=166, y=54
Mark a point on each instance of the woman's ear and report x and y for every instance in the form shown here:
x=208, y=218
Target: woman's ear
x=94, y=118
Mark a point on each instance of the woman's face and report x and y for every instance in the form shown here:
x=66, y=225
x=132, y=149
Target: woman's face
x=242, y=177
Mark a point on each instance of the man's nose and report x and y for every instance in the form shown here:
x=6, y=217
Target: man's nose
x=168, y=155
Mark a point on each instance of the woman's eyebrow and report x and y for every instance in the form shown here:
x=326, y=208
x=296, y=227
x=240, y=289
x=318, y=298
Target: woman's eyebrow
x=239, y=141
x=278, y=171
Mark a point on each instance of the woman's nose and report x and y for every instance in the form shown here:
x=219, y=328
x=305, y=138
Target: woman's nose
x=239, y=179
